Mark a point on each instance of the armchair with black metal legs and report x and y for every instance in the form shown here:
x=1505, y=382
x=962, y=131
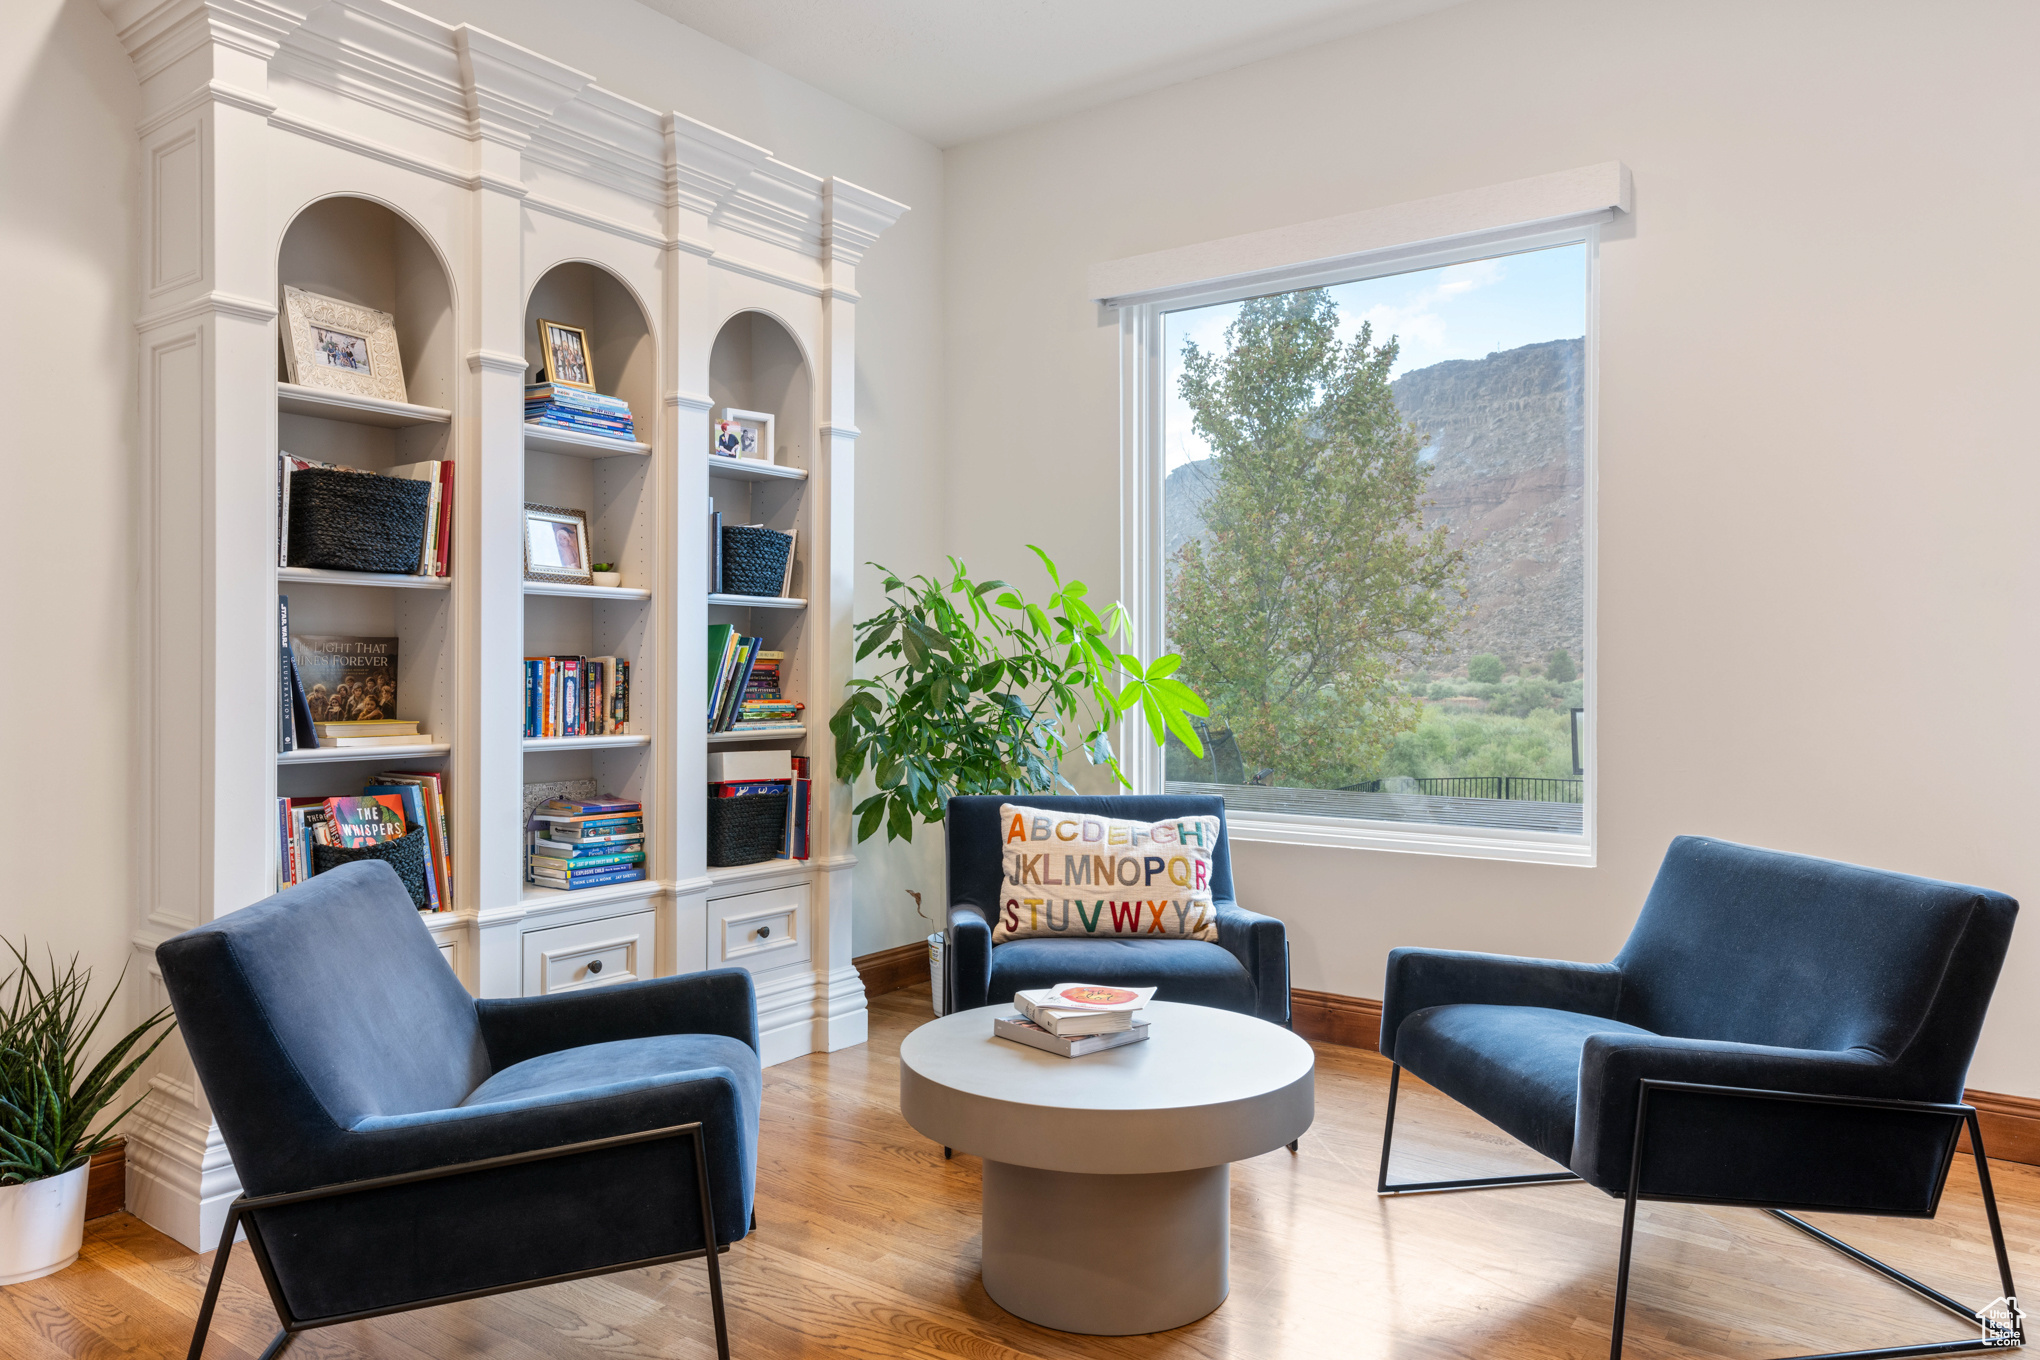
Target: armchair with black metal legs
x=400, y=1144
x=1780, y=1032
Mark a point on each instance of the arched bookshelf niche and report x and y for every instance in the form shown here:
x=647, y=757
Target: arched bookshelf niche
x=362, y=253
x=612, y=482
x=756, y=366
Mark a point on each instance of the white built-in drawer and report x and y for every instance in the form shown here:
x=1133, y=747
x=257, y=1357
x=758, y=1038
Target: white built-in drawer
x=588, y=954
x=760, y=930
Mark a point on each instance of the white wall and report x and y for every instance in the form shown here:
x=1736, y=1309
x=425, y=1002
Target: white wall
x=1819, y=479
x=68, y=166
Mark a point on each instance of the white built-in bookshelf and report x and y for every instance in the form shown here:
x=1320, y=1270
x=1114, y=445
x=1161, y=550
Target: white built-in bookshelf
x=468, y=187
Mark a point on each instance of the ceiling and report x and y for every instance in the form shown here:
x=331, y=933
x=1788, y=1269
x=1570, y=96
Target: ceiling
x=951, y=71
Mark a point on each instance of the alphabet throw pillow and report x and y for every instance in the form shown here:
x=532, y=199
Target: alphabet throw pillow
x=1088, y=877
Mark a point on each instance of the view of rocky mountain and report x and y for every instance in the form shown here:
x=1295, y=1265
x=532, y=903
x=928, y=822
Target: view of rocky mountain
x=1507, y=453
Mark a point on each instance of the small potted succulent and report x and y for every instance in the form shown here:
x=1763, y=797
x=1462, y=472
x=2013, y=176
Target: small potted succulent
x=51, y=1105
x=606, y=574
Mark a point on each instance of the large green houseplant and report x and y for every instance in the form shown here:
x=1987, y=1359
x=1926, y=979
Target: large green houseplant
x=988, y=692
x=51, y=1106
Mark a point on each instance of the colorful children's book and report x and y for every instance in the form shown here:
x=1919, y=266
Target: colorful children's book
x=361, y=822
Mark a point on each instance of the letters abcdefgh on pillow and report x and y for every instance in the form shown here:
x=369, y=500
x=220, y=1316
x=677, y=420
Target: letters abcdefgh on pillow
x=1090, y=877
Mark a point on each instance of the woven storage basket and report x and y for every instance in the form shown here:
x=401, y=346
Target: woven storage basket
x=356, y=521
x=753, y=560
x=745, y=830
x=406, y=855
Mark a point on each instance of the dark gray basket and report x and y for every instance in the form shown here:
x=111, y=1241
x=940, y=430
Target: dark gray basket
x=406, y=855
x=745, y=830
x=753, y=560
x=356, y=521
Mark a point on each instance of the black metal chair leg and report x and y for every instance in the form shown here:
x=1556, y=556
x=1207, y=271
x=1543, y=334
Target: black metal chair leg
x=947, y=1154
x=212, y=1285
x=1628, y=1228
x=276, y=1344
x=1293, y=1142
x=715, y=1299
x=1995, y=1335
x=1382, y=1187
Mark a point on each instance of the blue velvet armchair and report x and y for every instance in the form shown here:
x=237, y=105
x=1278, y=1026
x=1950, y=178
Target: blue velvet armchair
x=1246, y=971
x=1779, y=1032
x=401, y=1144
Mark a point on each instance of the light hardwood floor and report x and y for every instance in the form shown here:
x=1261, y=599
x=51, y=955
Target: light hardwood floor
x=867, y=1246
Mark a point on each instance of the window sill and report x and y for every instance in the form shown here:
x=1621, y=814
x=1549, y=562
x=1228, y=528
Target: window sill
x=1344, y=833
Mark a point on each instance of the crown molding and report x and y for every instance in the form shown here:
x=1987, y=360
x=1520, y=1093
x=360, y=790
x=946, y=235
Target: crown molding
x=473, y=86
x=853, y=217
x=385, y=56
x=690, y=401
x=704, y=165
x=605, y=139
x=840, y=432
x=511, y=91
x=159, y=33
x=778, y=204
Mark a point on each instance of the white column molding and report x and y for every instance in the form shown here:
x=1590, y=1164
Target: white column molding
x=852, y=219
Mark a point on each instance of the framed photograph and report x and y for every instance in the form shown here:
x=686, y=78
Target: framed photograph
x=556, y=546
x=745, y=434
x=337, y=345
x=567, y=361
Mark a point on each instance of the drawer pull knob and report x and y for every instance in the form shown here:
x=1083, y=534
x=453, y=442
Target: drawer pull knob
x=763, y=931
x=595, y=965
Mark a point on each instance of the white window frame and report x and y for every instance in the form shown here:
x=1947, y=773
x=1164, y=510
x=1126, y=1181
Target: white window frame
x=1143, y=404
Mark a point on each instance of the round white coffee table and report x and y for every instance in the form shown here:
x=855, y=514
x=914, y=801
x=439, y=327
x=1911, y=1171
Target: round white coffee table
x=1106, y=1177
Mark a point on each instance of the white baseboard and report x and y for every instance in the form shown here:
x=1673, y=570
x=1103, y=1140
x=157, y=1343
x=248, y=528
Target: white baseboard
x=180, y=1179
x=841, y=1020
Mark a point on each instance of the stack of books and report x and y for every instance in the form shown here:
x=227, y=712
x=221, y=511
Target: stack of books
x=576, y=696
x=578, y=843
x=382, y=732
x=760, y=706
x=571, y=408
x=1075, y=1018
x=391, y=806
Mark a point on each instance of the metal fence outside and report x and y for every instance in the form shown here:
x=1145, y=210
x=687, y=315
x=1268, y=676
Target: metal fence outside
x=1524, y=788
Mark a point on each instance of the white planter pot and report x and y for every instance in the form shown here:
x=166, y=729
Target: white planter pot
x=608, y=579
x=42, y=1225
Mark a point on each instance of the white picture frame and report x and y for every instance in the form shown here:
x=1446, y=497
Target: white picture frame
x=744, y=435
x=340, y=346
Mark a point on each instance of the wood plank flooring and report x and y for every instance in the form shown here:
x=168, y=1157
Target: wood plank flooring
x=868, y=1243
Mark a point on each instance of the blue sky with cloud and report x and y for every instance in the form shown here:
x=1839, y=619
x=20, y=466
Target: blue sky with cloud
x=1462, y=311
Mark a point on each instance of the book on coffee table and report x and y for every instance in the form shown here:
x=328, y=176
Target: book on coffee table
x=1082, y=1008
x=1024, y=1031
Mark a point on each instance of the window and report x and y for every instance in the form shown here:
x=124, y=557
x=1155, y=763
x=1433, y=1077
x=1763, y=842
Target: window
x=1372, y=543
